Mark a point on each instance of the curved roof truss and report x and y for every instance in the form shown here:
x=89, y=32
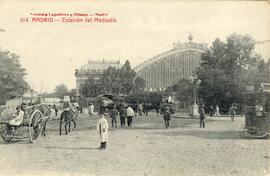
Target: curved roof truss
x=178, y=48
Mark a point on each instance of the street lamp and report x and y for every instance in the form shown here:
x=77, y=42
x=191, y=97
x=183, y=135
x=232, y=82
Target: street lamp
x=194, y=82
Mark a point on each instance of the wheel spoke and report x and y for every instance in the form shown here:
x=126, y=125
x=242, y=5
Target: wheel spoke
x=35, y=126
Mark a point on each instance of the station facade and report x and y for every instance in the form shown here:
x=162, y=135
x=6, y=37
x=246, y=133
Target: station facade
x=167, y=68
x=93, y=69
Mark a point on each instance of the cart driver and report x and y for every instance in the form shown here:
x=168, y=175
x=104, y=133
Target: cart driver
x=19, y=118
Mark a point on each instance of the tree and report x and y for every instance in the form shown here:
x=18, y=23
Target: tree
x=154, y=98
x=12, y=76
x=48, y=95
x=72, y=95
x=139, y=84
x=127, y=76
x=226, y=70
x=113, y=81
x=92, y=88
x=183, y=91
x=61, y=90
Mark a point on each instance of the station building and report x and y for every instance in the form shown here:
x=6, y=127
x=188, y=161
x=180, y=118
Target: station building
x=93, y=69
x=167, y=68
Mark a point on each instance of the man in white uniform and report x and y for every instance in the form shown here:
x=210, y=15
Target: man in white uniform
x=102, y=130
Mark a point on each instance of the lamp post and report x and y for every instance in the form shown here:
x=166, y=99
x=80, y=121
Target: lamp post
x=194, y=82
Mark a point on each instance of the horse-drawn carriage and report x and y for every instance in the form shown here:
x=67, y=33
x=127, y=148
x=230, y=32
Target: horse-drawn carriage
x=32, y=126
x=105, y=102
x=257, y=114
x=167, y=102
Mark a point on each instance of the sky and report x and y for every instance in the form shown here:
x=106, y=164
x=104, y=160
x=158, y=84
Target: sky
x=51, y=52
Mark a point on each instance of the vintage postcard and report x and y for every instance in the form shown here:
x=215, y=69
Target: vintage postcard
x=134, y=88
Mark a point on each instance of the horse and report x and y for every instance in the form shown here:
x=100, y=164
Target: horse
x=68, y=116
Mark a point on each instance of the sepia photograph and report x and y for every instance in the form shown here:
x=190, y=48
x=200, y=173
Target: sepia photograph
x=134, y=88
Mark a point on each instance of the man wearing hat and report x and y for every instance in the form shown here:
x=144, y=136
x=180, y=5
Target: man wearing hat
x=167, y=116
x=122, y=114
x=113, y=114
x=202, y=116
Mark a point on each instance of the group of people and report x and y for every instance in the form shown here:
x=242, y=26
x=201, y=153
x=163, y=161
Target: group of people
x=124, y=113
x=214, y=112
x=142, y=109
x=232, y=112
x=103, y=126
x=128, y=113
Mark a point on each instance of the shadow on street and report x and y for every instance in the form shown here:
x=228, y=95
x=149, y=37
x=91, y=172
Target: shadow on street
x=221, y=135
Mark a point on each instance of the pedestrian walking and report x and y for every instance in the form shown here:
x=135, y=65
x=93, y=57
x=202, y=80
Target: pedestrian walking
x=145, y=109
x=211, y=111
x=140, y=108
x=55, y=109
x=122, y=114
x=232, y=111
x=130, y=114
x=157, y=109
x=217, y=111
x=167, y=117
x=91, y=109
x=113, y=114
x=202, y=116
x=102, y=130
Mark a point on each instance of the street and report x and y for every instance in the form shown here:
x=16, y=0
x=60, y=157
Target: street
x=145, y=149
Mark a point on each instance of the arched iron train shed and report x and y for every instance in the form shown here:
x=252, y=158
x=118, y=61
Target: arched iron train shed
x=168, y=68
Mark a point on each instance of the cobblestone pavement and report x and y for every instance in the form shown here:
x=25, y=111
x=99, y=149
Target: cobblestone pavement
x=145, y=149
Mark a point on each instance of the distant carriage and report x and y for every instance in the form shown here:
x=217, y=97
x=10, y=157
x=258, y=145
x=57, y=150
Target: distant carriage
x=105, y=102
x=33, y=125
x=167, y=102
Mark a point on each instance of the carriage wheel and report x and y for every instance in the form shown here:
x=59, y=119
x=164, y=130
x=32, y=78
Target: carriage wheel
x=5, y=133
x=35, y=125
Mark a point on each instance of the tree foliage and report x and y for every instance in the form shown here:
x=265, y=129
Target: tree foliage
x=153, y=98
x=61, y=90
x=12, y=76
x=226, y=70
x=183, y=91
x=113, y=81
